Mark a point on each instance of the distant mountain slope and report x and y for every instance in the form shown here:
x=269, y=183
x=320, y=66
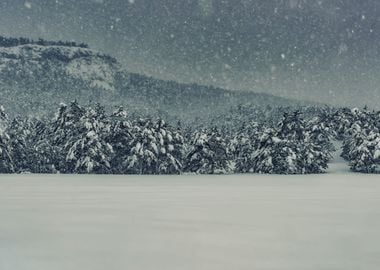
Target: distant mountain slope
x=189, y=101
x=38, y=75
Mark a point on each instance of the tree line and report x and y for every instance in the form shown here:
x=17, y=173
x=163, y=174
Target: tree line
x=87, y=139
x=12, y=42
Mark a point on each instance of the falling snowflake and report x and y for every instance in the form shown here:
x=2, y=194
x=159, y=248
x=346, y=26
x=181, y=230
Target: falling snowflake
x=28, y=5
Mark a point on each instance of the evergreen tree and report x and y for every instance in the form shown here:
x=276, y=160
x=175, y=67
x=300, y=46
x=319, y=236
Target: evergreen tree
x=171, y=149
x=351, y=138
x=6, y=161
x=315, y=154
x=364, y=153
x=88, y=151
x=320, y=133
x=291, y=149
x=361, y=141
x=21, y=143
x=120, y=138
x=46, y=155
x=243, y=146
x=277, y=156
x=292, y=127
x=143, y=158
x=208, y=153
x=263, y=158
x=156, y=149
x=318, y=145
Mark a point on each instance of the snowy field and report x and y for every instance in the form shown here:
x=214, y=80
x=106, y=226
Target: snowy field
x=248, y=222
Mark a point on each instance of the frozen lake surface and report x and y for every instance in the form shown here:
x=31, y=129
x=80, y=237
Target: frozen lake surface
x=234, y=222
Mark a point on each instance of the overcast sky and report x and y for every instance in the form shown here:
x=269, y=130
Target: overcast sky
x=326, y=50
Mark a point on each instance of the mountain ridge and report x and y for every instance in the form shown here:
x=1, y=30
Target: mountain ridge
x=36, y=76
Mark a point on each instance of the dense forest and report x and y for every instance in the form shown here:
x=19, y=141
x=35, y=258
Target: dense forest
x=12, y=42
x=86, y=139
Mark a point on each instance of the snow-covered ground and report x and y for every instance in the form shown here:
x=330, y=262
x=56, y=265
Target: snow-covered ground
x=328, y=221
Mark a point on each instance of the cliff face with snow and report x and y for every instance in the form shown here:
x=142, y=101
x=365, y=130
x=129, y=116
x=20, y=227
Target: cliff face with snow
x=35, y=77
x=98, y=70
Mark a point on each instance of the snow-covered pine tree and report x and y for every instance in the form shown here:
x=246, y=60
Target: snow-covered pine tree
x=64, y=129
x=309, y=143
x=171, y=144
x=315, y=155
x=156, y=148
x=352, y=136
x=360, y=145
x=290, y=149
x=88, y=151
x=66, y=119
x=375, y=147
x=120, y=137
x=320, y=133
x=208, y=153
x=275, y=155
x=292, y=127
x=317, y=145
x=45, y=155
x=365, y=155
x=361, y=141
x=143, y=158
x=243, y=145
x=6, y=161
x=21, y=142
x=345, y=118
x=361, y=123
x=342, y=120
x=263, y=156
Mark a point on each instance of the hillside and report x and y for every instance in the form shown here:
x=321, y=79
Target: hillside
x=190, y=101
x=35, y=76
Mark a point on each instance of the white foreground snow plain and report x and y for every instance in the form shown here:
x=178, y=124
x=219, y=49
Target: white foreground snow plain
x=62, y=222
